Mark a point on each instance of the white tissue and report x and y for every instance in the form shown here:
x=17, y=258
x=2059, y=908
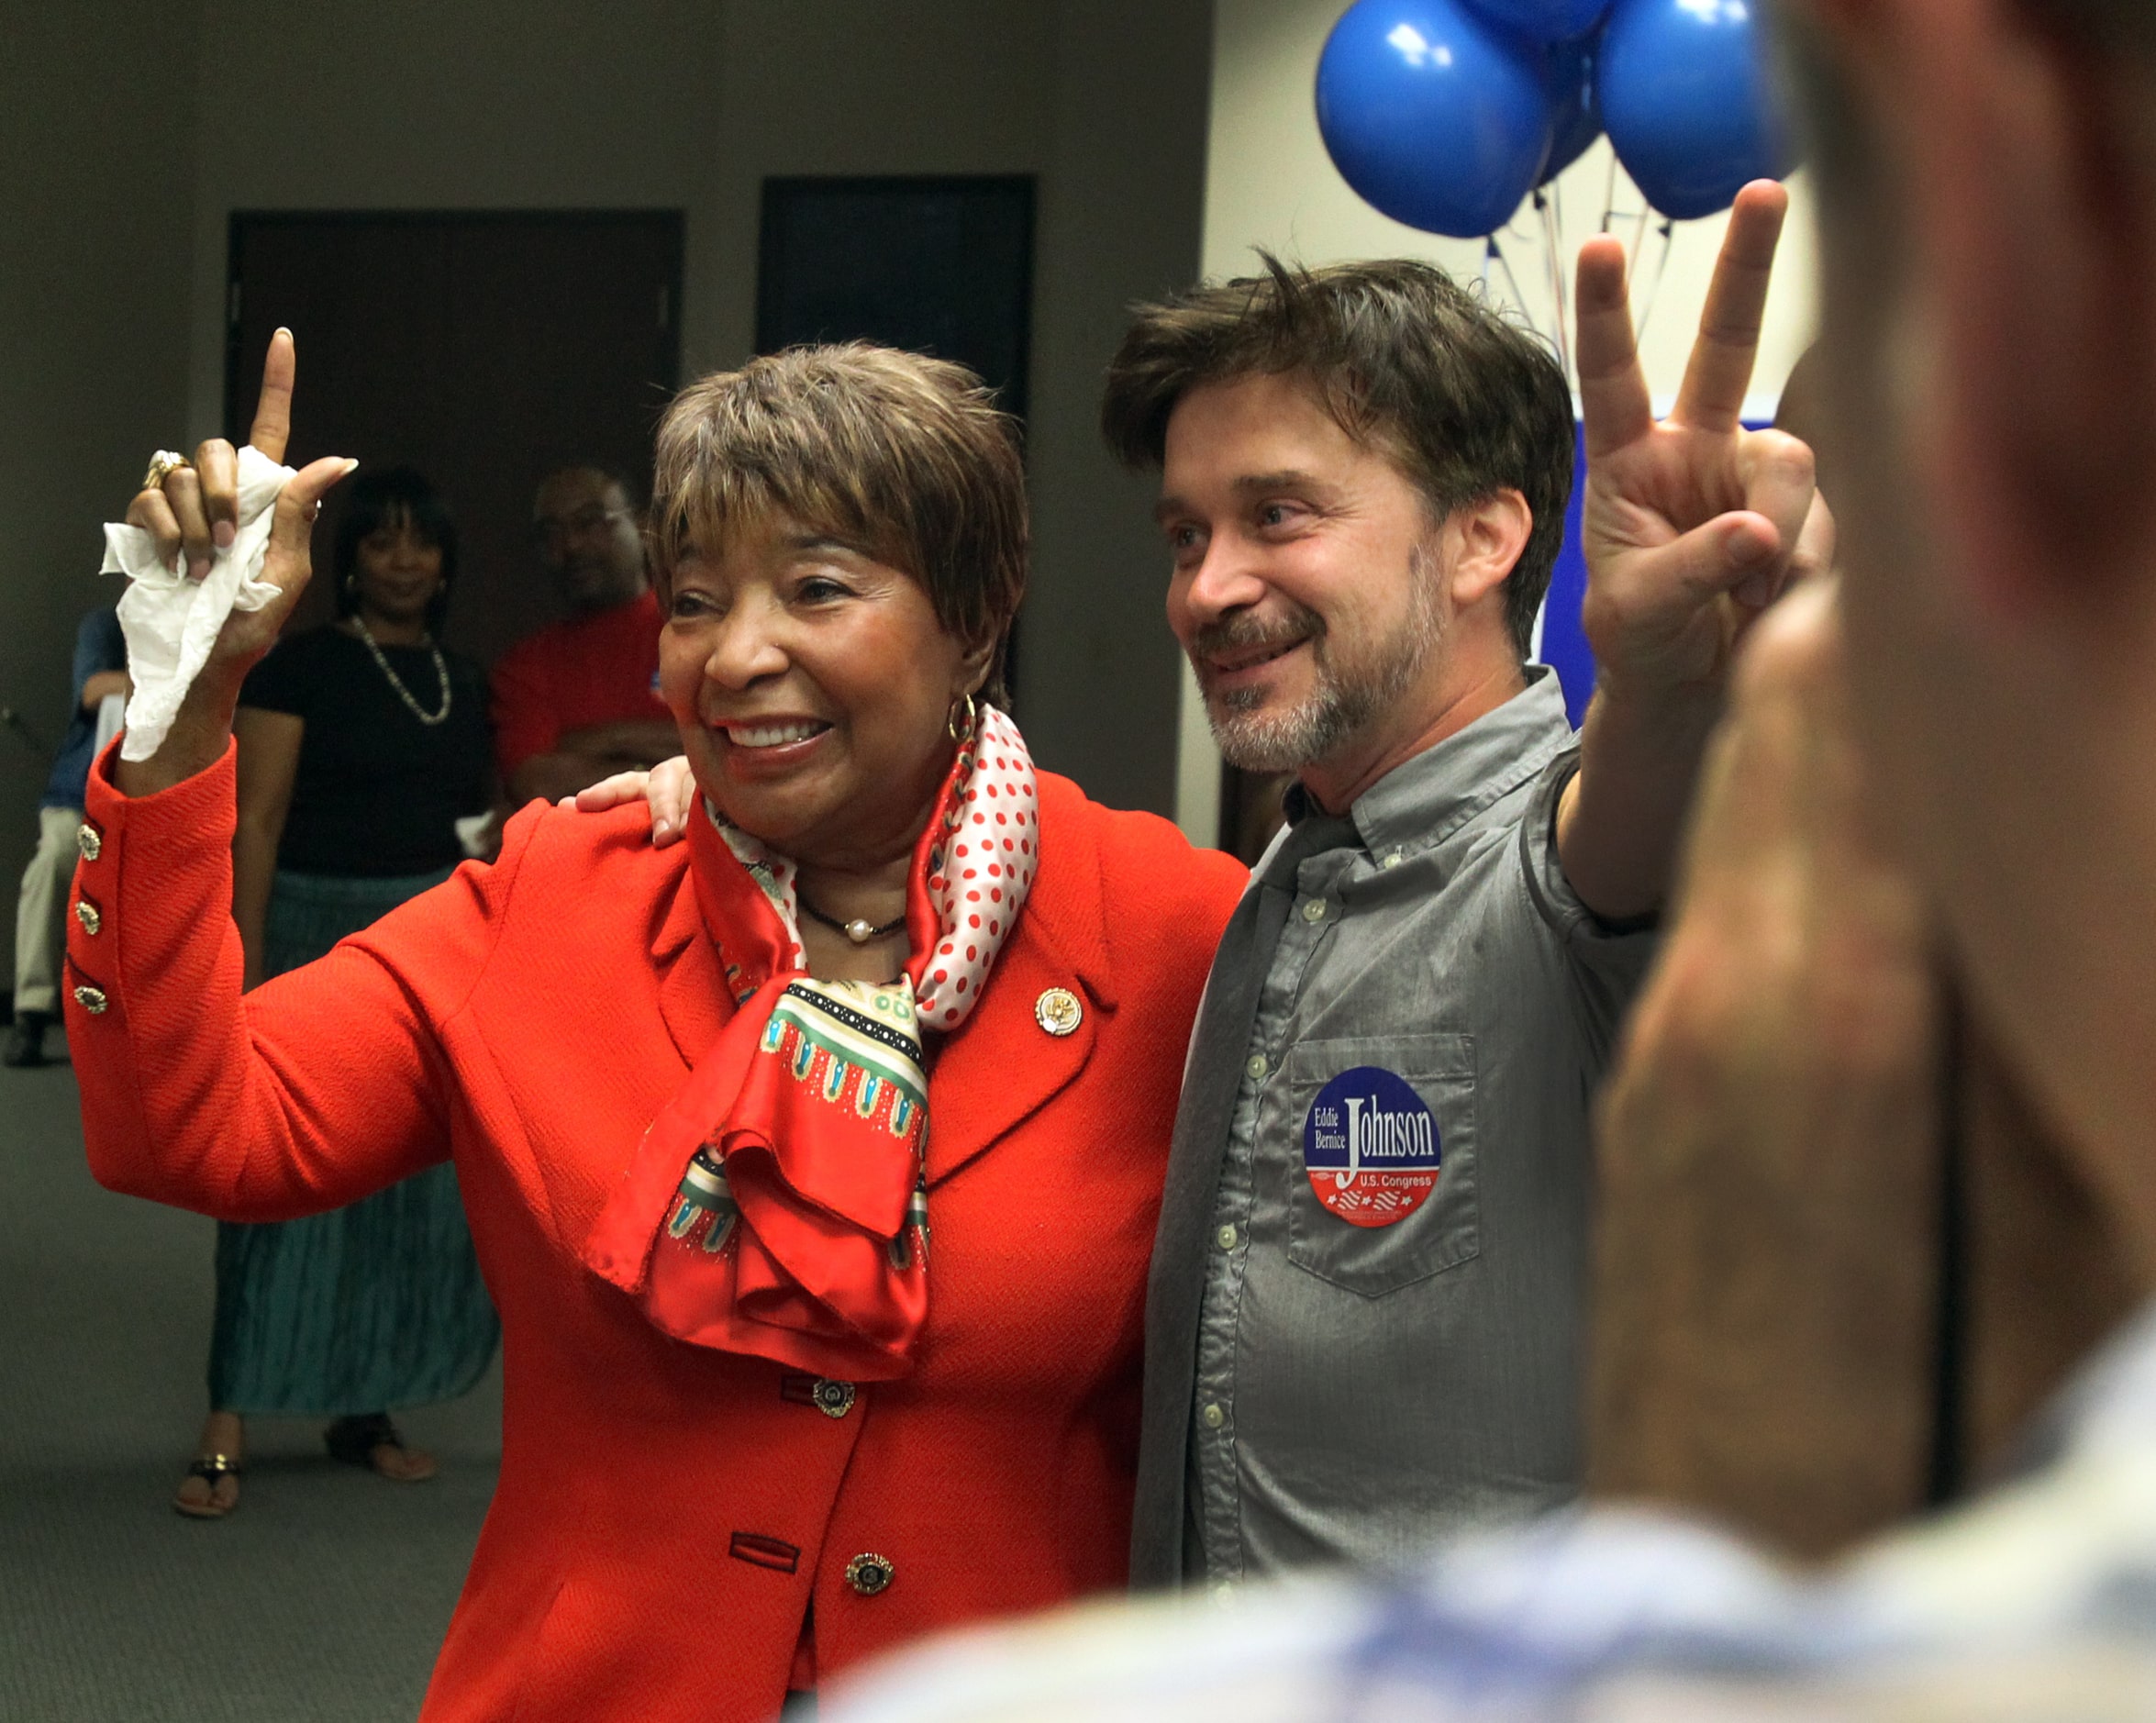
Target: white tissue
x=170, y=621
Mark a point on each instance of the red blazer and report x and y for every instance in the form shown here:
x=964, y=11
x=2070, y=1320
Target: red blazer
x=667, y=1515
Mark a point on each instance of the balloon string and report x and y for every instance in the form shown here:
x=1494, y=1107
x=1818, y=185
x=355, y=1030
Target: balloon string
x=1661, y=266
x=1511, y=281
x=1609, y=194
x=1552, y=247
x=1557, y=252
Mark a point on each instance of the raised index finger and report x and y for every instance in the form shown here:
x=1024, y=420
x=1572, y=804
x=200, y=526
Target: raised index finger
x=1719, y=370
x=272, y=410
x=1614, y=402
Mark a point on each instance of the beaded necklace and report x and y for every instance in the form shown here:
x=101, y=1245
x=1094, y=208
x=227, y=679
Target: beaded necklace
x=441, y=672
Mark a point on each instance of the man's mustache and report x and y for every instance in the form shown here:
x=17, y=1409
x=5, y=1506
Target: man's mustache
x=1243, y=632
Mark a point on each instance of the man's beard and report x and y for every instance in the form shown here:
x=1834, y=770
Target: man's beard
x=1347, y=698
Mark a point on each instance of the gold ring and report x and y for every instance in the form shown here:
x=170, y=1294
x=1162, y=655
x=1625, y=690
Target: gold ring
x=162, y=462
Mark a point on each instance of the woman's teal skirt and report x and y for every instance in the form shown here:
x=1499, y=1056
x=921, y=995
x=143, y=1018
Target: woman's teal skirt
x=369, y=1307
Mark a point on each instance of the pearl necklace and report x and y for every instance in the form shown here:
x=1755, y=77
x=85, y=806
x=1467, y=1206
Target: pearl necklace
x=441, y=672
x=860, y=929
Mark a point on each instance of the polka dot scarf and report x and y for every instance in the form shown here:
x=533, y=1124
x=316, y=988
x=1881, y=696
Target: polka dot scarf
x=979, y=873
x=778, y=1205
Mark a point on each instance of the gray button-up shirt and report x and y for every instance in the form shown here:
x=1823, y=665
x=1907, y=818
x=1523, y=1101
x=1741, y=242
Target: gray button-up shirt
x=1388, y=1342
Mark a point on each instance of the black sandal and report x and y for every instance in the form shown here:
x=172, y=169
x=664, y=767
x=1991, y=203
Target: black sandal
x=352, y=1441
x=211, y=1469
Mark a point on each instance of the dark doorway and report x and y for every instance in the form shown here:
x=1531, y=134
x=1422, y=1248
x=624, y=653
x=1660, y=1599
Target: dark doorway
x=936, y=266
x=482, y=348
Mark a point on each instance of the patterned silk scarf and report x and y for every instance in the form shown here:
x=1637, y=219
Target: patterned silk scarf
x=778, y=1204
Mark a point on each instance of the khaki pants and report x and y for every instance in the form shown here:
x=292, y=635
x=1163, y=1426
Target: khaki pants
x=41, y=912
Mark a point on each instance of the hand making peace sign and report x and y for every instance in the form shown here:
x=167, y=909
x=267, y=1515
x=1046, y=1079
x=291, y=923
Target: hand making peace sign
x=1694, y=525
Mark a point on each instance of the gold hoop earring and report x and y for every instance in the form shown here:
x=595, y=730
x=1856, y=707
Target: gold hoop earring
x=950, y=724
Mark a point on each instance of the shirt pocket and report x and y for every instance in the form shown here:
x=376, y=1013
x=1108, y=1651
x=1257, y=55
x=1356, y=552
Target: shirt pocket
x=1367, y=1120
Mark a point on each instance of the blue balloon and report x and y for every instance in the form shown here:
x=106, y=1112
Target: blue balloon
x=1685, y=99
x=1577, y=116
x=1544, y=20
x=1434, y=118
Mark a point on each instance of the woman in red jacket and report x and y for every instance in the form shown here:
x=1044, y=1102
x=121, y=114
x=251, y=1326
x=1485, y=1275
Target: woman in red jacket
x=812, y=1163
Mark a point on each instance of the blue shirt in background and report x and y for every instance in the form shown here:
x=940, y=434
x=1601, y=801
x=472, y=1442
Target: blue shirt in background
x=98, y=646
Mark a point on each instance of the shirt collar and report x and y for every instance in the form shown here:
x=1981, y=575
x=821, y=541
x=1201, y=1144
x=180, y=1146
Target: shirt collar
x=1427, y=797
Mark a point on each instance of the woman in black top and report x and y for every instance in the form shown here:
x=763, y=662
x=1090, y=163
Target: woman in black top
x=362, y=747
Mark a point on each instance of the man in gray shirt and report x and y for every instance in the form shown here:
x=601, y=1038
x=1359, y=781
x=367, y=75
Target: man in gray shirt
x=1363, y=1327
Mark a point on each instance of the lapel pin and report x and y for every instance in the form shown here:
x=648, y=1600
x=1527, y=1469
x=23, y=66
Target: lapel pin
x=1058, y=1011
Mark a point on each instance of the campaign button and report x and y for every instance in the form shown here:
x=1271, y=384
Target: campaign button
x=1370, y=1148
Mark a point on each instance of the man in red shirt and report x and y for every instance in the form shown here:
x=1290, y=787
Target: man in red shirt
x=579, y=701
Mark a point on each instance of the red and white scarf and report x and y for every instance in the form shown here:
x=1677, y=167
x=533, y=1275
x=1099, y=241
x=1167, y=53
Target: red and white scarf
x=777, y=1207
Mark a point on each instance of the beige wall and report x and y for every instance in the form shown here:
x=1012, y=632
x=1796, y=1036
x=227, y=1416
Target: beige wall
x=404, y=104
x=675, y=104
x=97, y=141
x=1269, y=183
x=117, y=212
x=1100, y=674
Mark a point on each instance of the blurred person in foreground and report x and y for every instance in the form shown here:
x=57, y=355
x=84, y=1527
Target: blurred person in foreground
x=100, y=672
x=360, y=748
x=791, y=1377
x=1940, y=763
x=580, y=699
